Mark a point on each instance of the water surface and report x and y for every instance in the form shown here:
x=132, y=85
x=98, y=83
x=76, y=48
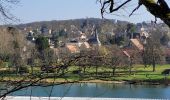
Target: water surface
x=98, y=90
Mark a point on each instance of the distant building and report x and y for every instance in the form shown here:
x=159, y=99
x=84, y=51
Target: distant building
x=94, y=39
x=83, y=37
x=30, y=36
x=137, y=44
x=82, y=42
x=144, y=35
x=44, y=30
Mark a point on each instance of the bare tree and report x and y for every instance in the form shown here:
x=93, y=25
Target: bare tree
x=5, y=6
x=152, y=53
x=158, y=8
x=113, y=58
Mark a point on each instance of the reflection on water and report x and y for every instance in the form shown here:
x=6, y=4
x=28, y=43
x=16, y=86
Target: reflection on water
x=99, y=90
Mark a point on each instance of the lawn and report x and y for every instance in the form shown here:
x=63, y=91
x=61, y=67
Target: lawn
x=139, y=72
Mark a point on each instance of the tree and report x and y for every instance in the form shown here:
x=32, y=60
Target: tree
x=17, y=47
x=12, y=42
x=5, y=44
x=48, y=57
x=32, y=59
x=42, y=43
x=152, y=53
x=113, y=58
x=164, y=39
x=158, y=8
x=84, y=60
x=17, y=60
x=130, y=30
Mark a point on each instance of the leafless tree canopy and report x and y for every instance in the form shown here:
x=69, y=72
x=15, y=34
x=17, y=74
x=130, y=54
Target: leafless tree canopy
x=158, y=8
x=5, y=6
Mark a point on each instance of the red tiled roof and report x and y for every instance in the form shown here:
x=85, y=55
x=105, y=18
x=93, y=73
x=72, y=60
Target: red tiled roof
x=137, y=44
x=72, y=48
x=87, y=45
x=126, y=53
x=167, y=52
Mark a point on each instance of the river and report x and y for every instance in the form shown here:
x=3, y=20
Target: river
x=102, y=90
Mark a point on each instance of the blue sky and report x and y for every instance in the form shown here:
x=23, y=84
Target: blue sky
x=46, y=10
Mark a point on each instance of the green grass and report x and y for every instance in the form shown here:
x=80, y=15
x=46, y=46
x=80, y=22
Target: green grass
x=139, y=72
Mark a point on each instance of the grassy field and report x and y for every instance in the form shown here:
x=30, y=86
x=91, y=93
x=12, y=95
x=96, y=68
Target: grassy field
x=139, y=72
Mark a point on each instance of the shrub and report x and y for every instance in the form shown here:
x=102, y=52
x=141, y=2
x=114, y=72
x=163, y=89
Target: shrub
x=23, y=70
x=7, y=72
x=166, y=72
x=48, y=69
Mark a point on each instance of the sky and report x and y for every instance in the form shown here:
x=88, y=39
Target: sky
x=47, y=10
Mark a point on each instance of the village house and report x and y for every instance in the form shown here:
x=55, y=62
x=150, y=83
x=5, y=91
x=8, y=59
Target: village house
x=134, y=51
x=82, y=42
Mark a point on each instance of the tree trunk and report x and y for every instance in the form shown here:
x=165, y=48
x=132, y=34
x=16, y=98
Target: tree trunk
x=62, y=71
x=160, y=10
x=113, y=71
x=153, y=64
x=84, y=70
x=96, y=70
x=17, y=69
x=130, y=69
x=130, y=66
x=31, y=70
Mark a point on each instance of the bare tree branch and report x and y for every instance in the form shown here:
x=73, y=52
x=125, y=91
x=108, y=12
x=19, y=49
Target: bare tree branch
x=135, y=9
x=5, y=7
x=117, y=8
x=159, y=9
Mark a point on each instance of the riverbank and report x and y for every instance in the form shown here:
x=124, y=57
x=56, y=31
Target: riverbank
x=135, y=82
x=63, y=81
